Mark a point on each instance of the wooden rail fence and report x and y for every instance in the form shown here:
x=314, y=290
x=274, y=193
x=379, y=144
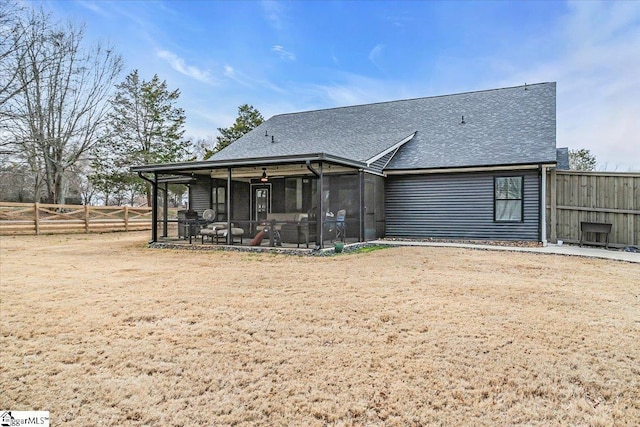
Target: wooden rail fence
x=608, y=197
x=41, y=218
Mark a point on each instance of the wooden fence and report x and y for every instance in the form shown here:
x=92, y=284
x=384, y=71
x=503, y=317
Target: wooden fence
x=40, y=218
x=609, y=197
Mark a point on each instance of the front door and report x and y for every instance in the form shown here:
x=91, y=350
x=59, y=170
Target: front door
x=261, y=201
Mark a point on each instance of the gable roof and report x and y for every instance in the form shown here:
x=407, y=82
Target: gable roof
x=506, y=126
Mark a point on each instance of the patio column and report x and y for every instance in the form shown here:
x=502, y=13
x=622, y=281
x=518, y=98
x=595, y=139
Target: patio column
x=165, y=208
x=543, y=206
x=321, y=214
x=229, y=212
x=154, y=208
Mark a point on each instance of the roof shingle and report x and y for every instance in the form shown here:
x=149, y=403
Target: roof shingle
x=506, y=126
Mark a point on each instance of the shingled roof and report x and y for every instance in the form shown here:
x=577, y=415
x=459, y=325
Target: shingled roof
x=509, y=126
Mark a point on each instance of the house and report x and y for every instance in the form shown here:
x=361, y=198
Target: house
x=463, y=166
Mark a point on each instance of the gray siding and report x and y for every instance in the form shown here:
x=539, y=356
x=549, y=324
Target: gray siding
x=241, y=203
x=200, y=195
x=457, y=206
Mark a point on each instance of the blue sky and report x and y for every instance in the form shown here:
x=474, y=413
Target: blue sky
x=302, y=55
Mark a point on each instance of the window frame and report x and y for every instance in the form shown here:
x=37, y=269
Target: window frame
x=219, y=201
x=496, y=199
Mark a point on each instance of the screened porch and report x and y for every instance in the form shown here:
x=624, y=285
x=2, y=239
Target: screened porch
x=268, y=203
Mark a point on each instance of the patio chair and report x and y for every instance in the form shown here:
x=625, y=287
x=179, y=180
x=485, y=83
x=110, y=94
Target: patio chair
x=222, y=234
x=211, y=230
x=219, y=231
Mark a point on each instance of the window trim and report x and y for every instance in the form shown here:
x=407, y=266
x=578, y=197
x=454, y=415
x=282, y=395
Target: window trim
x=496, y=199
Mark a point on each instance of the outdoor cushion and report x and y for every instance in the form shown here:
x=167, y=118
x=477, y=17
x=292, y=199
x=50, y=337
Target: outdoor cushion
x=284, y=217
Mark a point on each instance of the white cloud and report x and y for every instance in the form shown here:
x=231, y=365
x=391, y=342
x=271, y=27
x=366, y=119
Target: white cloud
x=273, y=13
x=248, y=81
x=229, y=71
x=375, y=55
x=355, y=89
x=179, y=65
x=283, y=53
x=92, y=6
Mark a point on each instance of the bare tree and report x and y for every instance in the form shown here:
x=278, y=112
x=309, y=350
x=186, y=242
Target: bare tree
x=60, y=110
x=11, y=48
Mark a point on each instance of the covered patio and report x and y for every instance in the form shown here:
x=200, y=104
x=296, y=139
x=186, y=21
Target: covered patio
x=302, y=201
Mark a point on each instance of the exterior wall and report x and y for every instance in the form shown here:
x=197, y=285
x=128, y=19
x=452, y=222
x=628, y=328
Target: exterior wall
x=457, y=206
x=241, y=204
x=200, y=195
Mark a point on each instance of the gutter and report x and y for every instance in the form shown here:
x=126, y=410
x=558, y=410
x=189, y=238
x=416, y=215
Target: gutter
x=527, y=166
x=141, y=175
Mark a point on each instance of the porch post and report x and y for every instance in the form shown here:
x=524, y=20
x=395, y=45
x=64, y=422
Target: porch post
x=362, y=216
x=543, y=206
x=553, y=214
x=154, y=208
x=165, y=214
x=321, y=214
x=229, y=212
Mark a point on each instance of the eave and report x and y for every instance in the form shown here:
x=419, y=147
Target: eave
x=248, y=162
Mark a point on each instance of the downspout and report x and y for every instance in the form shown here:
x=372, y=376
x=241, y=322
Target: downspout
x=362, y=216
x=154, y=212
x=543, y=206
x=229, y=233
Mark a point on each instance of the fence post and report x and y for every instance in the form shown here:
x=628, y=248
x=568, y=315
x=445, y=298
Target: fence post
x=126, y=218
x=86, y=218
x=36, y=216
x=553, y=213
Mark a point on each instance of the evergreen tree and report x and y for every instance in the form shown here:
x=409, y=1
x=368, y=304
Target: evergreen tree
x=582, y=160
x=145, y=127
x=248, y=118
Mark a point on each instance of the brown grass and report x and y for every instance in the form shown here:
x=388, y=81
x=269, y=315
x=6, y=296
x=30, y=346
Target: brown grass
x=100, y=330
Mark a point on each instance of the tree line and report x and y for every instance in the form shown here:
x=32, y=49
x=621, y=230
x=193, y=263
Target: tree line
x=70, y=130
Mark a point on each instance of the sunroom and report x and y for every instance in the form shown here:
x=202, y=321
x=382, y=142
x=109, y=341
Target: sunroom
x=269, y=201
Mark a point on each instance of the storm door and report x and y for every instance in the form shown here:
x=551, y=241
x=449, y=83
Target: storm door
x=261, y=202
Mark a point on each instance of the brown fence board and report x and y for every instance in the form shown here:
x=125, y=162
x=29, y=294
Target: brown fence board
x=611, y=197
x=44, y=218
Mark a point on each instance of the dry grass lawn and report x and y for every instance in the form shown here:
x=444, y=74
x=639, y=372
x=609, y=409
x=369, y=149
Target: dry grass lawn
x=100, y=330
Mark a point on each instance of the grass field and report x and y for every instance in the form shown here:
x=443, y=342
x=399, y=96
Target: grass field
x=100, y=330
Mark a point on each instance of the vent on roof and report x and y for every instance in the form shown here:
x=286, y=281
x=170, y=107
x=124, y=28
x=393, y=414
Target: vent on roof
x=462, y=122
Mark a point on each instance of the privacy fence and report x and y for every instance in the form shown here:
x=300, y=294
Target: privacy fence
x=40, y=218
x=607, y=197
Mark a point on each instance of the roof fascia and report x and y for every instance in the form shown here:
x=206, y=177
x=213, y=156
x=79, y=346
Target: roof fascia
x=256, y=161
x=497, y=168
x=390, y=149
